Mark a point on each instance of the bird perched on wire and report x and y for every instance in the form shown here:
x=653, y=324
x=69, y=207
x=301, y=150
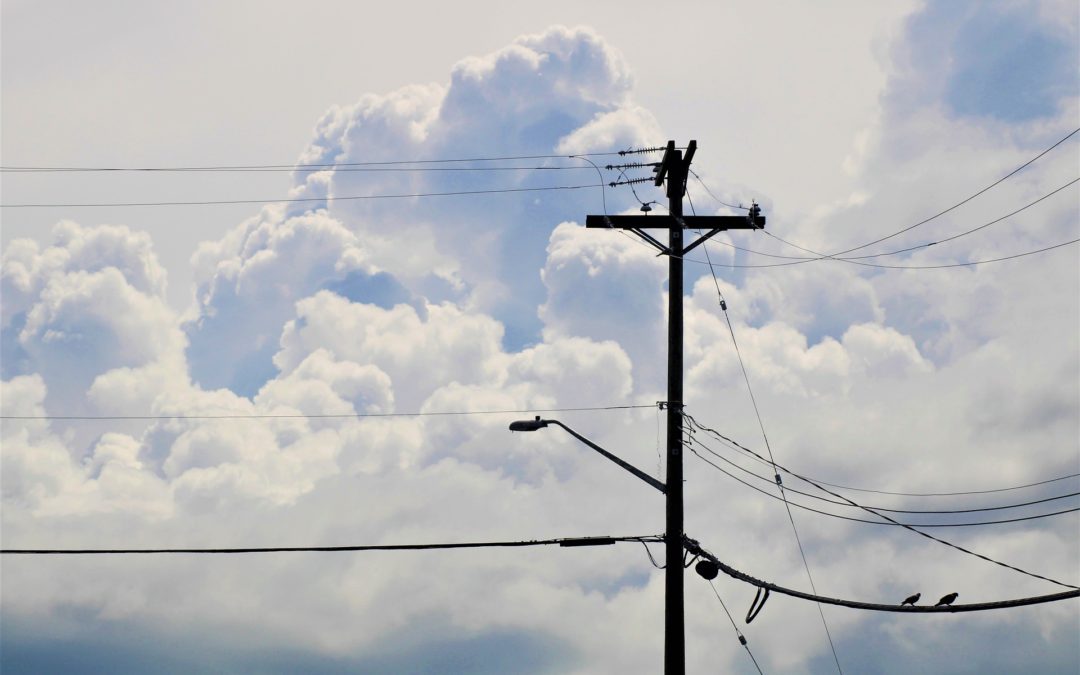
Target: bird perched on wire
x=947, y=600
x=911, y=600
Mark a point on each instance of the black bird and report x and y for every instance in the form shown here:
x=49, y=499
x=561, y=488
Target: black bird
x=947, y=600
x=911, y=600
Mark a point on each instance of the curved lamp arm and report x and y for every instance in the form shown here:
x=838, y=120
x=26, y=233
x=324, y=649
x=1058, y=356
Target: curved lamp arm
x=533, y=425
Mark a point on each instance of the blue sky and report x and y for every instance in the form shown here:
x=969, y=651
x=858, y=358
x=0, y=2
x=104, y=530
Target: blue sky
x=846, y=121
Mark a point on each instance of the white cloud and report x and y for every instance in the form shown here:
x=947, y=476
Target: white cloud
x=897, y=380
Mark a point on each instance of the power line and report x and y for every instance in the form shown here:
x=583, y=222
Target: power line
x=761, y=425
x=860, y=260
x=695, y=547
x=970, y=263
x=882, y=508
x=306, y=169
x=742, y=638
x=565, y=542
x=967, y=232
x=854, y=259
x=890, y=523
x=967, y=199
x=715, y=198
x=757, y=458
x=835, y=256
x=927, y=220
x=320, y=416
x=302, y=199
x=334, y=165
x=927, y=535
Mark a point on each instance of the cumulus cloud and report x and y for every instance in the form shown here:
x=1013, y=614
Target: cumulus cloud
x=86, y=307
x=358, y=313
x=562, y=91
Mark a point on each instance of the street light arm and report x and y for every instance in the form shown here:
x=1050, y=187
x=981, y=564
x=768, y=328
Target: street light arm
x=626, y=465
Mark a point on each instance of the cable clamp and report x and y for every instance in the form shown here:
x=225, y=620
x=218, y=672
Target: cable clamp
x=778, y=481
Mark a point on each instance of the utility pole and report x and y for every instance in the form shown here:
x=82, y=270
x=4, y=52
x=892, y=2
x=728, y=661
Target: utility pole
x=675, y=168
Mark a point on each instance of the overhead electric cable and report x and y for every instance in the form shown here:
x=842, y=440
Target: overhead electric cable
x=860, y=260
x=837, y=255
x=715, y=198
x=891, y=523
x=757, y=458
x=889, y=510
x=965, y=200
x=302, y=199
x=565, y=542
x=970, y=263
x=761, y=425
x=878, y=607
x=333, y=165
x=931, y=218
x=313, y=168
x=919, y=532
x=738, y=633
x=966, y=232
x=855, y=259
x=321, y=416
x=799, y=260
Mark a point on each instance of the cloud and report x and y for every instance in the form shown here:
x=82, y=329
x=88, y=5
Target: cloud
x=557, y=92
x=89, y=305
x=364, y=312
x=1032, y=68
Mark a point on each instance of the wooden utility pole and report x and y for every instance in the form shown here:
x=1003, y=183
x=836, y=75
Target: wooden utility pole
x=675, y=168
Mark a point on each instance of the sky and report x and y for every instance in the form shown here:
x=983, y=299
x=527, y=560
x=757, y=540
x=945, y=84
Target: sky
x=847, y=122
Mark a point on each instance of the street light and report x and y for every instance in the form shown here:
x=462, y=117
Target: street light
x=535, y=424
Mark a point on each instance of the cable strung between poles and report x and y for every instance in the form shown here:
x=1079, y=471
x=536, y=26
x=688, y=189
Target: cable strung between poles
x=296, y=200
x=742, y=638
x=320, y=416
x=927, y=220
x=567, y=542
x=924, y=494
x=761, y=424
x=885, y=517
x=882, y=508
x=863, y=520
x=878, y=607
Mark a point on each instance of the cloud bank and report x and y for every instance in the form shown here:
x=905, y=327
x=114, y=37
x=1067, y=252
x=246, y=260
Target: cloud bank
x=889, y=378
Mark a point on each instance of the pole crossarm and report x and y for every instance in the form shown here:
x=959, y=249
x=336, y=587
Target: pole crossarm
x=694, y=548
x=718, y=223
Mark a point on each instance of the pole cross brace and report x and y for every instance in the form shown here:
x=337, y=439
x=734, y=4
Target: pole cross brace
x=637, y=225
x=718, y=223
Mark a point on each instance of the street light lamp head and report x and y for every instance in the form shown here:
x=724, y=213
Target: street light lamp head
x=528, y=425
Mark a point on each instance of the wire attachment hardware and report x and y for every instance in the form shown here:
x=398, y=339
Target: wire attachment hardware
x=641, y=151
x=753, y=213
x=631, y=181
